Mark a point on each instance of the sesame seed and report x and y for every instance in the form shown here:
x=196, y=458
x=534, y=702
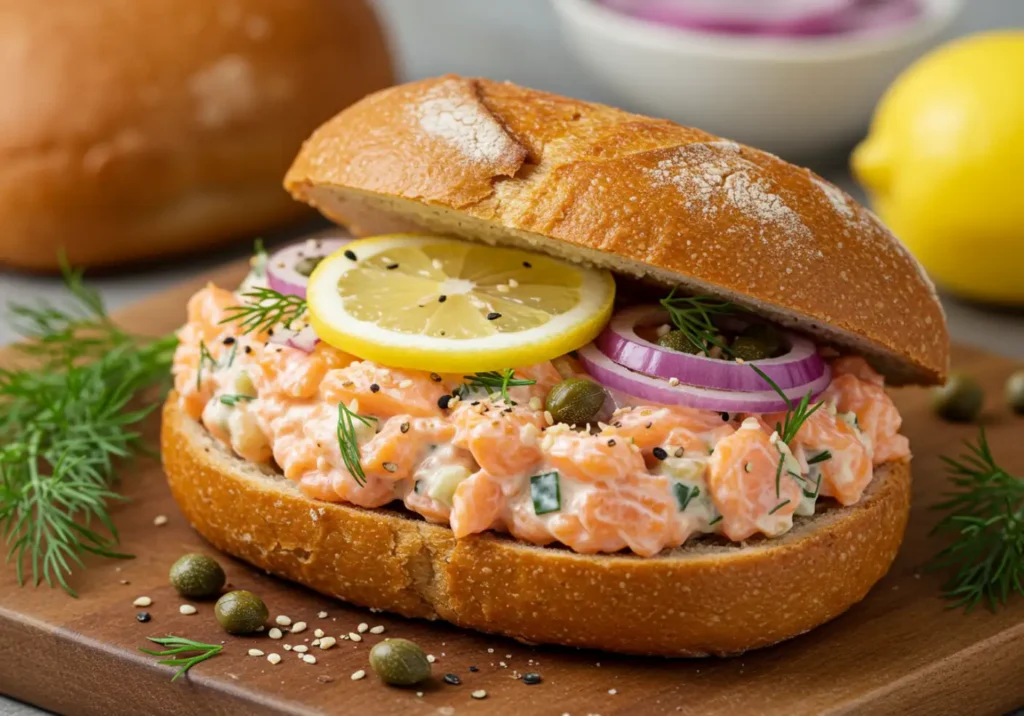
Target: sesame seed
x=187, y=609
x=490, y=650
x=437, y=264
x=611, y=442
x=613, y=691
x=513, y=283
x=535, y=403
x=282, y=620
x=493, y=316
x=321, y=615
x=142, y=602
x=454, y=401
x=255, y=652
x=354, y=637
x=547, y=418
x=391, y=267
x=327, y=642
x=452, y=679
x=350, y=255
x=318, y=633
x=678, y=452
x=301, y=648
x=390, y=467
x=431, y=658
x=287, y=647
x=405, y=384
x=673, y=381
x=309, y=658
x=531, y=678
x=435, y=377
x=379, y=629
x=363, y=627
x=502, y=288
x=143, y=617
x=527, y=264
x=160, y=520
x=357, y=675
x=298, y=627
x=274, y=658
x=442, y=298
x=275, y=633
x=479, y=694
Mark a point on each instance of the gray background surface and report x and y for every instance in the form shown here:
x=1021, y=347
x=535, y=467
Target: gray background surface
x=516, y=40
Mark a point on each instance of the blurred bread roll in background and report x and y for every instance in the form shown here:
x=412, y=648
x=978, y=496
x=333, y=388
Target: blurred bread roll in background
x=136, y=129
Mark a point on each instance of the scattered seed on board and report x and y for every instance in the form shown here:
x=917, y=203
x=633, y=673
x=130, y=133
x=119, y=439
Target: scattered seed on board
x=327, y=642
x=318, y=633
x=282, y=620
x=362, y=628
x=354, y=637
x=379, y=629
x=160, y=520
x=301, y=648
x=613, y=691
x=431, y=658
x=274, y=658
x=452, y=679
x=142, y=602
x=275, y=633
x=357, y=675
x=309, y=658
x=142, y=617
x=321, y=615
x=479, y=694
x=298, y=627
x=187, y=609
x=255, y=652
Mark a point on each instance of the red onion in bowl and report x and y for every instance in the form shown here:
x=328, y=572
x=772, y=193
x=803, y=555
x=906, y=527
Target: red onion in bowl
x=616, y=377
x=288, y=269
x=619, y=341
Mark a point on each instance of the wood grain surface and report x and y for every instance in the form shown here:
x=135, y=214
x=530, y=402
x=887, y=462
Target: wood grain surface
x=899, y=651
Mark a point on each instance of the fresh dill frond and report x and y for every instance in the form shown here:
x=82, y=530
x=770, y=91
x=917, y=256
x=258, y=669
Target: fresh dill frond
x=233, y=399
x=66, y=416
x=179, y=645
x=791, y=423
x=348, y=441
x=493, y=382
x=692, y=316
x=985, y=517
x=265, y=308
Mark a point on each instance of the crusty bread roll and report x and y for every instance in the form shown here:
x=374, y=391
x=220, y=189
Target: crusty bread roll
x=643, y=197
x=133, y=130
x=704, y=598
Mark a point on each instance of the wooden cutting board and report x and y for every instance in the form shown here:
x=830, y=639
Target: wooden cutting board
x=900, y=650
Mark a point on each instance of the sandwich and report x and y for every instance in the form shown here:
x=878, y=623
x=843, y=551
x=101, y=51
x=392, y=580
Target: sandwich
x=587, y=378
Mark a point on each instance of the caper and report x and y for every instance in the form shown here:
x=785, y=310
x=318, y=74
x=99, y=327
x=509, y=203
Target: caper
x=241, y=612
x=575, y=401
x=1015, y=392
x=306, y=265
x=757, y=342
x=197, y=576
x=399, y=662
x=959, y=399
x=677, y=341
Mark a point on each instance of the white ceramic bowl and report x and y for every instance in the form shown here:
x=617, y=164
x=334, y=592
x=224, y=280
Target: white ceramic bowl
x=791, y=96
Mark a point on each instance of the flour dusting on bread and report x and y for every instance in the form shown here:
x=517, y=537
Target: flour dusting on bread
x=453, y=114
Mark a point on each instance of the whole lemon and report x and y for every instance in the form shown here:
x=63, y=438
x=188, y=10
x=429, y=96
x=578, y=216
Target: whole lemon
x=944, y=164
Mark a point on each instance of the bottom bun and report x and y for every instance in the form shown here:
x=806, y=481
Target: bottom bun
x=707, y=597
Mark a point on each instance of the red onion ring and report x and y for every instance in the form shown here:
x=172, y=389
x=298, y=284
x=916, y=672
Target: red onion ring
x=281, y=273
x=304, y=340
x=614, y=376
x=619, y=341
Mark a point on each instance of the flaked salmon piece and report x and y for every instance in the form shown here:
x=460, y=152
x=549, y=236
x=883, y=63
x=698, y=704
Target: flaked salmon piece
x=742, y=482
x=401, y=444
x=384, y=392
x=877, y=416
x=546, y=375
x=293, y=373
x=669, y=428
x=591, y=459
x=848, y=472
x=504, y=440
x=477, y=505
x=857, y=367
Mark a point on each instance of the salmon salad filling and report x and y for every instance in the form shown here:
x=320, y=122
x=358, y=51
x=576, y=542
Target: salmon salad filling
x=646, y=477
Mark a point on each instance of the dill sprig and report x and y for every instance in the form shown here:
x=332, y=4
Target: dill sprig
x=180, y=645
x=265, y=308
x=348, y=441
x=493, y=382
x=794, y=419
x=986, y=518
x=692, y=316
x=66, y=416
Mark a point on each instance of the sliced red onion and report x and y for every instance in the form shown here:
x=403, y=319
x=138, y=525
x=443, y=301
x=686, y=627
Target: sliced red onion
x=617, y=377
x=619, y=341
x=286, y=268
x=304, y=340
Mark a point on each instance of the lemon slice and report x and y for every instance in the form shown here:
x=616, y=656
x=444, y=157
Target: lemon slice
x=440, y=304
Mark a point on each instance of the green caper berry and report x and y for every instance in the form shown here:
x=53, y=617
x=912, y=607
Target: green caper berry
x=197, y=576
x=750, y=348
x=241, y=612
x=959, y=400
x=306, y=265
x=768, y=341
x=677, y=341
x=1015, y=392
x=575, y=401
x=399, y=662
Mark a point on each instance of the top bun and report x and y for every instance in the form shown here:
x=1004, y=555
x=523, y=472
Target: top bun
x=644, y=197
x=135, y=129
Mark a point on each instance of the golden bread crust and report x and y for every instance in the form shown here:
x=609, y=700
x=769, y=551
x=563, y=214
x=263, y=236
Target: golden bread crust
x=500, y=163
x=697, y=600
